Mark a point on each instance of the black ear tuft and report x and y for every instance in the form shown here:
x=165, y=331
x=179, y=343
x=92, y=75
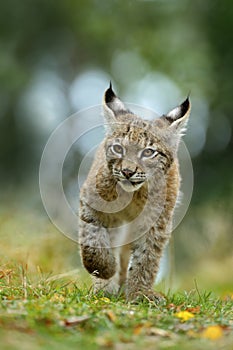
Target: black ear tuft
x=112, y=104
x=185, y=106
x=179, y=112
x=109, y=94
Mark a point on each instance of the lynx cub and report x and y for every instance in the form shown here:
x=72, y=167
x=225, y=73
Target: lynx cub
x=128, y=198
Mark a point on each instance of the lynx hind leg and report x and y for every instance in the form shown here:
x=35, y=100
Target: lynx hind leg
x=124, y=263
x=96, y=254
x=144, y=266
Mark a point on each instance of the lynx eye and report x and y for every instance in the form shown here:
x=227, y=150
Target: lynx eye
x=118, y=149
x=148, y=153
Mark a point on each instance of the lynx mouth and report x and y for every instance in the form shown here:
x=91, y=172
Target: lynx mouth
x=136, y=182
x=129, y=185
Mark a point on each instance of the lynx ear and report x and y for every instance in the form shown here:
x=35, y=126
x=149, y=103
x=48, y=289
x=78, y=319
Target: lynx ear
x=112, y=106
x=178, y=116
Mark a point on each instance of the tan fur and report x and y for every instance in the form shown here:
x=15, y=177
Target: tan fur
x=128, y=199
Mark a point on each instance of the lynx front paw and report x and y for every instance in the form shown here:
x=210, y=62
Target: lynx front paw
x=98, y=262
x=149, y=295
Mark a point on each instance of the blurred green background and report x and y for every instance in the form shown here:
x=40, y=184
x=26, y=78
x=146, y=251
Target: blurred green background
x=57, y=57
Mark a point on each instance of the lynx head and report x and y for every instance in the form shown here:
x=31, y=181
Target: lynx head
x=136, y=149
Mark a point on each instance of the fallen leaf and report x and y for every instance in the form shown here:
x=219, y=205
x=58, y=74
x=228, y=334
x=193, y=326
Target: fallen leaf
x=138, y=329
x=212, y=332
x=184, y=315
x=74, y=320
x=184, y=326
x=171, y=306
x=194, y=310
x=112, y=317
x=159, y=332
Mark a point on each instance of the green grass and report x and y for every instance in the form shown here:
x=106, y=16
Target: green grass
x=39, y=312
x=45, y=299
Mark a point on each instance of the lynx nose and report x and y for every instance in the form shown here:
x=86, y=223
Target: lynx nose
x=127, y=173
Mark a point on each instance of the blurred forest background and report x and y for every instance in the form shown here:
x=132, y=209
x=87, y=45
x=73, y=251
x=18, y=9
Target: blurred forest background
x=57, y=57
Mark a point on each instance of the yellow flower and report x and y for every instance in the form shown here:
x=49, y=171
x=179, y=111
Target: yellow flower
x=212, y=332
x=184, y=315
x=106, y=300
x=57, y=298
